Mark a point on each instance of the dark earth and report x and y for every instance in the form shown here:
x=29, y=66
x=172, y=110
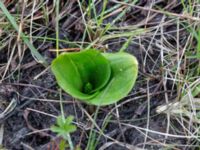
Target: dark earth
x=37, y=97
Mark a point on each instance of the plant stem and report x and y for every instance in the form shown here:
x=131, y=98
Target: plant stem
x=61, y=106
x=70, y=142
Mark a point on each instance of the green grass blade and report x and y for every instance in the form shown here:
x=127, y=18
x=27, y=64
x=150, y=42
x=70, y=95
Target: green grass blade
x=198, y=44
x=124, y=34
x=57, y=27
x=126, y=44
x=34, y=51
x=100, y=21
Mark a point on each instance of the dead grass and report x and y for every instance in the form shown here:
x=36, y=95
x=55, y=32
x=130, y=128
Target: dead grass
x=160, y=113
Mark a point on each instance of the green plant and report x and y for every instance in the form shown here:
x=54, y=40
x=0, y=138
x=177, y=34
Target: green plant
x=194, y=67
x=63, y=128
x=96, y=78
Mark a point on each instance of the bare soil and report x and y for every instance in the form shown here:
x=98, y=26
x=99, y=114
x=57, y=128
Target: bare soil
x=26, y=126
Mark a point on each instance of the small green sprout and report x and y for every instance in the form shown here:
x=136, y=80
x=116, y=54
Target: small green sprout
x=96, y=78
x=63, y=128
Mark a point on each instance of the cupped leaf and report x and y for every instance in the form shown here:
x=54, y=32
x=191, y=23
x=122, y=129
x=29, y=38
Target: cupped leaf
x=124, y=74
x=82, y=74
x=95, y=78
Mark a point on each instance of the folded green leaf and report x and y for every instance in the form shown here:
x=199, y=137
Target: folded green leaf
x=124, y=74
x=96, y=78
x=80, y=73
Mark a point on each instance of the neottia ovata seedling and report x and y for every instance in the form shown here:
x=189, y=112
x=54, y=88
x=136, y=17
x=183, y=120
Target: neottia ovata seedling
x=96, y=78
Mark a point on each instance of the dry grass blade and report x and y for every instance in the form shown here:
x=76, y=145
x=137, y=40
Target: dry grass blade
x=1, y=134
x=161, y=112
x=108, y=144
x=182, y=16
x=34, y=51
